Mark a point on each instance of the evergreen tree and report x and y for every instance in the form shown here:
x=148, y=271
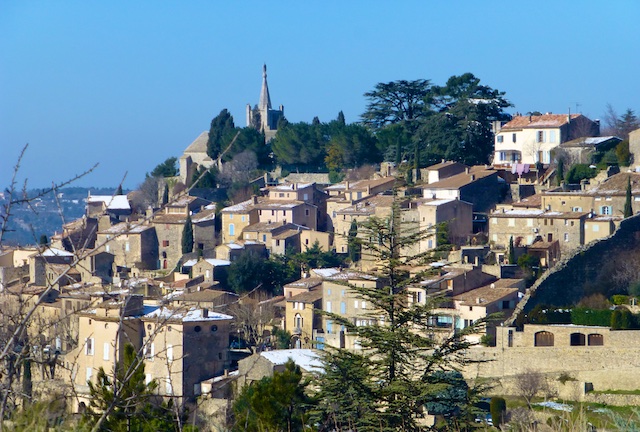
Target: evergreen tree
x=165, y=194
x=43, y=241
x=386, y=385
x=125, y=402
x=168, y=168
x=353, y=243
x=512, y=251
x=187, y=236
x=119, y=190
x=560, y=172
x=340, y=118
x=221, y=133
x=276, y=403
x=628, y=208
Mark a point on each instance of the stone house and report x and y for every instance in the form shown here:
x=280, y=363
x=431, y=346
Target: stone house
x=258, y=366
x=530, y=139
x=78, y=234
x=478, y=185
x=305, y=192
x=43, y=265
x=599, y=227
x=212, y=270
x=581, y=150
x=236, y=218
x=181, y=346
x=231, y=251
x=302, y=319
x=345, y=194
x=443, y=170
x=300, y=286
x=134, y=245
x=455, y=214
x=116, y=206
x=527, y=225
x=169, y=224
x=379, y=206
x=606, y=198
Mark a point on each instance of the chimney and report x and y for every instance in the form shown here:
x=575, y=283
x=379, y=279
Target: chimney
x=530, y=118
x=473, y=177
x=467, y=170
x=478, y=300
x=205, y=313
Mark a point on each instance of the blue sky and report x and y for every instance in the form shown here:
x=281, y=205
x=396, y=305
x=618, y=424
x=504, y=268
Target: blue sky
x=128, y=84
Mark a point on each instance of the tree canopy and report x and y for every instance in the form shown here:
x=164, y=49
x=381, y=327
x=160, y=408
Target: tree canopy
x=168, y=168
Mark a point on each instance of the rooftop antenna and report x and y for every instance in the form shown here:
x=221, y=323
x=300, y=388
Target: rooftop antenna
x=578, y=105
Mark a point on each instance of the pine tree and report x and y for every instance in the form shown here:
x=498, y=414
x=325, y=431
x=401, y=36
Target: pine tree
x=187, y=236
x=124, y=402
x=628, y=208
x=43, y=241
x=386, y=385
x=340, y=118
x=119, y=190
x=276, y=403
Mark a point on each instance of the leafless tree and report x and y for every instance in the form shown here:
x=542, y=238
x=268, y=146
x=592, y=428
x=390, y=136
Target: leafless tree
x=529, y=384
x=240, y=169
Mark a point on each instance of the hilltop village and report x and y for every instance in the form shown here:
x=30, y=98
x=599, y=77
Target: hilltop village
x=219, y=273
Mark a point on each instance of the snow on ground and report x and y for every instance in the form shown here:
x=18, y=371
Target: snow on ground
x=555, y=406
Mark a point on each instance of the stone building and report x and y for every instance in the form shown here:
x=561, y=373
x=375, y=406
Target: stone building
x=527, y=225
x=478, y=185
x=263, y=117
x=530, y=139
x=258, y=366
x=302, y=318
x=133, y=244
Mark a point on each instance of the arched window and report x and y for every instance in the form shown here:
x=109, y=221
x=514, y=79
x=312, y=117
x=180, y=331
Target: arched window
x=298, y=321
x=596, y=339
x=543, y=338
x=578, y=339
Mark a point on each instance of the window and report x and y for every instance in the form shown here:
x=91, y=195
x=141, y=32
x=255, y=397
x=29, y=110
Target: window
x=494, y=221
x=88, y=346
x=305, y=197
x=328, y=306
x=242, y=218
x=165, y=243
x=502, y=156
x=147, y=378
x=306, y=212
x=273, y=212
x=230, y=215
x=214, y=328
x=264, y=238
x=596, y=228
x=512, y=222
x=232, y=230
x=197, y=329
x=105, y=351
x=149, y=351
x=605, y=210
x=168, y=387
x=595, y=339
x=363, y=304
x=529, y=222
x=500, y=139
x=577, y=339
x=540, y=137
x=343, y=307
x=88, y=374
x=329, y=326
x=170, y=352
x=566, y=237
x=576, y=209
x=513, y=137
x=284, y=212
x=126, y=247
x=207, y=274
x=281, y=195
x=298, y=321
x=277, y=242
x=552, y=136
x=543, y=338
x=107, y=248
x=355, y=304
x=506, y=304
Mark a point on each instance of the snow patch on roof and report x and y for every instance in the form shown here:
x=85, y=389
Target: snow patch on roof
x=163, y=313
x=113, y=202
x=307, y=359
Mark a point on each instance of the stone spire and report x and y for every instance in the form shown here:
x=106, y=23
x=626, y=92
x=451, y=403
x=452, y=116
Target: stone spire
x=265, y=99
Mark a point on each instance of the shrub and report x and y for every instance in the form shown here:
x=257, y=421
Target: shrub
x=579, y=172
x=591, y=317
x=620, y=299
x=564, y=377
x=488, y=340
x=497, y=408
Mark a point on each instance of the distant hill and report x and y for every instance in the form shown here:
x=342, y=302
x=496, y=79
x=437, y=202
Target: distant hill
x=47, y=214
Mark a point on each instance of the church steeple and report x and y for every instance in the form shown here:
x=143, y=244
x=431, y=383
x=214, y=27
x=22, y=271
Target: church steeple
x=265, y=99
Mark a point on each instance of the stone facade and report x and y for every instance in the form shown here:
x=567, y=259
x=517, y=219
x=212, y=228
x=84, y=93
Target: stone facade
x=134, y=245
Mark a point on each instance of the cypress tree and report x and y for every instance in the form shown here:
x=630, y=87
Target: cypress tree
x=497, y=407
x=43, y=241
x=512, y=252
x=560, y=172
x=353, y=244
x=165, y=194
x=340, y=119
x=187, y=236
x=119, y=190
x=628, y=209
